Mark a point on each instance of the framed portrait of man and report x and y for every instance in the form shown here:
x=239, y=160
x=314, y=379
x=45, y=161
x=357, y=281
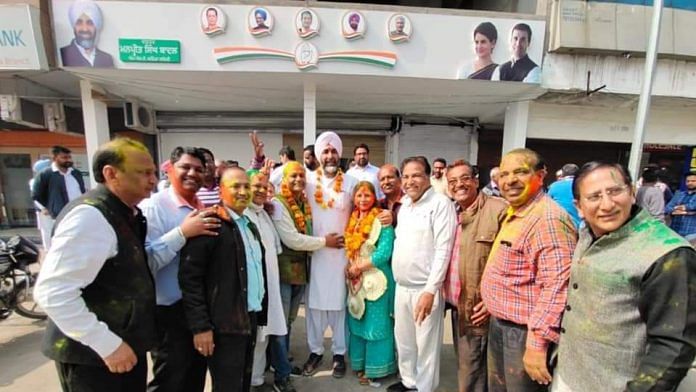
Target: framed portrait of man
x=86, y=21
x=307, y=23
x=213, y=20
x=260, y=22
x=399, y=28
x=353, y=25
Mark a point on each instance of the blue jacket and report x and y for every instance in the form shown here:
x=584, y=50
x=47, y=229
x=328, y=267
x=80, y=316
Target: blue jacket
x=49, y=189
x=562, y=193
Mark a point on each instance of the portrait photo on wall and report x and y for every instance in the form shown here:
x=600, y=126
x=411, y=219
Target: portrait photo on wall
x=213, y=21
x=353, y=25
x=520, y=68
x=399, y=28
x=306, y=56
x=307, y=23
x=483, y=39
x=260, y=22
x=86, y=21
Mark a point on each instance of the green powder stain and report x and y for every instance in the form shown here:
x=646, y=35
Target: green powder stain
x=60, y=344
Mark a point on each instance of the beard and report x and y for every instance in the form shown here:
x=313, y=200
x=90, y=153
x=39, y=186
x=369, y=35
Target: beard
x=66, y=165
x=85, y=40
x=331, y=168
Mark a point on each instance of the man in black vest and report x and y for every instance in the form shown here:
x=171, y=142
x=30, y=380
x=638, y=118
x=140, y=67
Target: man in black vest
x=95, y=283
x=56, y=186
x=521, y=68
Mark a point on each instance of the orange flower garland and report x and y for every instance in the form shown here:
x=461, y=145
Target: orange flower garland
x=358, y=231
x=319, y=195
x=297, y=215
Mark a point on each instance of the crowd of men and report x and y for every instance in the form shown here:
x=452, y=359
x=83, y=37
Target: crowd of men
x=575, y=289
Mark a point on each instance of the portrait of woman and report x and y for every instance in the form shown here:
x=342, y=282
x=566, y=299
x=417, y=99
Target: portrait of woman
x=307, y=23
x=485, y=37
x=212, y=20
x=370, y=288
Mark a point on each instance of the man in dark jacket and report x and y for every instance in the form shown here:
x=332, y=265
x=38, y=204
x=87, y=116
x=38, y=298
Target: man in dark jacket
x=57, y=185
x=95, y=284
x=223, y=282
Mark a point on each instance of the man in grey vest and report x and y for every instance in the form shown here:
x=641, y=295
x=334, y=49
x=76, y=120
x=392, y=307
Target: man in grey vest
x=95, y=283
x=630, y=321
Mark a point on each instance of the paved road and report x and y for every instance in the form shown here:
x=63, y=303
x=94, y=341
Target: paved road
x=23, y=368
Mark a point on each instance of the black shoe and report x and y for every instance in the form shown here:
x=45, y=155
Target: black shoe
x=339, y=366
x=284, y=386
x=399, y=387
x=295, y=372
x=312, y=364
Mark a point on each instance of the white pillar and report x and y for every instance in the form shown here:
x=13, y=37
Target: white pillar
x=474, y=146
x=310, y=113
x=645, y=91
x=95, y=115
x=515, y=128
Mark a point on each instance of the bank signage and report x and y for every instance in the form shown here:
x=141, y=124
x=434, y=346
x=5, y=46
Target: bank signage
x=139, y=50
x=19, y=31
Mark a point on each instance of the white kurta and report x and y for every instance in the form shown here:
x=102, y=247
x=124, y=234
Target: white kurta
x=271, y=242
x=327, y=288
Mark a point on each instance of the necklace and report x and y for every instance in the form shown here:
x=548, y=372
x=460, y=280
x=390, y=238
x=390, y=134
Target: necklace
x=358, y=231
x=298, y=216
x=319, y=194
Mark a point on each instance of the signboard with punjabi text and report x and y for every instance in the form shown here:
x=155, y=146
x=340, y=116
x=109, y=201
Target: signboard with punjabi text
x=138, y=50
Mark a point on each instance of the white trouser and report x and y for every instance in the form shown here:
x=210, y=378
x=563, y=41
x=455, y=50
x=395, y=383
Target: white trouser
x=259, y=368
x=418, y=346
x=45, y=223
x=317, y=321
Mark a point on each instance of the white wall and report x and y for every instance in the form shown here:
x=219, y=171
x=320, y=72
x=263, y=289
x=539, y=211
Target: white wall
x=434, y=141
x=673, y=78
x=439, y=45
x=666, y=125
x=233, y=145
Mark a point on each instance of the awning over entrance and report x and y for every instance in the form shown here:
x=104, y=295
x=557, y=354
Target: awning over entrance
x=283, y=92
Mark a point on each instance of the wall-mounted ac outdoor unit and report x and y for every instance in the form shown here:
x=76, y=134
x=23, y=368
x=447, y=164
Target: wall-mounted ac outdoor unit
x=139, y=116
x=21, y=111
x=54, y=115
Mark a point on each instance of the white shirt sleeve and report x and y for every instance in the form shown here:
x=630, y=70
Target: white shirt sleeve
x=82, y=242
x=288, y=233
x=496, y=73
x=534, y=76
x=444, y=223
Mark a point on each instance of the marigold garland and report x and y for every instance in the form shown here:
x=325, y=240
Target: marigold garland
x=319, y=194
x=298, y=216
x=358, y=231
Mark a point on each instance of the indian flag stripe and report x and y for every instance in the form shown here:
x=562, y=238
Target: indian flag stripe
x=384, y=59
x=238, y=53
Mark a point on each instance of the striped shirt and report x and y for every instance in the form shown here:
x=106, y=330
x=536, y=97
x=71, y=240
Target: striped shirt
x=526, y=278
x=209, y=196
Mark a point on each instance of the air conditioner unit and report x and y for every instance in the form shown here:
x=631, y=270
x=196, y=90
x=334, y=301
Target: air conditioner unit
x=21, y=111
x=139, y=116
x=54, y=114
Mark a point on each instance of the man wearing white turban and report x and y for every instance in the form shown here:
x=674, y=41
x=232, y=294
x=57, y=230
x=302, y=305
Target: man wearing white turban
x=86, y=21
x=330, y=195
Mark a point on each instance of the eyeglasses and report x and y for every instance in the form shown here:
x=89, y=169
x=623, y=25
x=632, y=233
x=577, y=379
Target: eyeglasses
x=610, y=192
x=463, y=179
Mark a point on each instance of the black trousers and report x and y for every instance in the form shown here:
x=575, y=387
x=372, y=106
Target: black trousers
x=176, y=365
x=506, y=346
x=233, y=360
x=93, y=378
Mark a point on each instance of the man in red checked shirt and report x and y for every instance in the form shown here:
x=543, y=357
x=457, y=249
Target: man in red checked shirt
x=525, y=283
